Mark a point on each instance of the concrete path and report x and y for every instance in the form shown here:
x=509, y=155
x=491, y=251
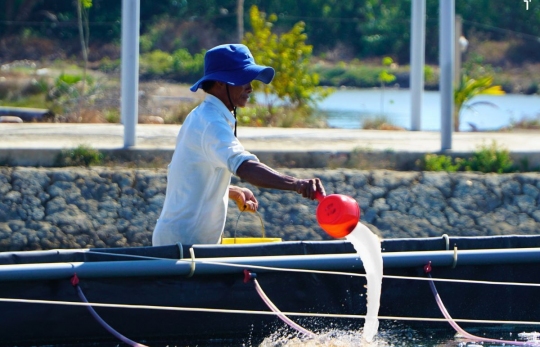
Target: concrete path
x=34, y=144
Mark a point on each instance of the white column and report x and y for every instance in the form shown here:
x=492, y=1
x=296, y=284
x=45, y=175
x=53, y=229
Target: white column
x=446, y=64
x=418, y=47
x=129, y=105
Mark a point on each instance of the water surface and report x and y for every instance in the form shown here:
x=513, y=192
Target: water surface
x=347, y=108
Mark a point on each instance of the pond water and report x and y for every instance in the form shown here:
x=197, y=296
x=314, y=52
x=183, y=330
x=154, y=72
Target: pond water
x=390, y=334
x=394, y=334
x=347, y=108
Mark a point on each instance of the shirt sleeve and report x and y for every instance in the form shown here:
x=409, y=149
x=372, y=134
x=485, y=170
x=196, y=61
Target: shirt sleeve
x=223, y=148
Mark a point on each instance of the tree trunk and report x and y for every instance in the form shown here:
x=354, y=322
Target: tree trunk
x=240, y=19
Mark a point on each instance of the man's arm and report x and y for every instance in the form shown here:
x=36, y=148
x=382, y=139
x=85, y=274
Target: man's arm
x=263, y=176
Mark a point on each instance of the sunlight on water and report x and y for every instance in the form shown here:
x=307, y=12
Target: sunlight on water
x=330, y=339
x=391, y=335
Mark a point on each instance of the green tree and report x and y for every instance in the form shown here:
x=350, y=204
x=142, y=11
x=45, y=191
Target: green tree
x=84, y=33
x=385, y=77
x=290, y=56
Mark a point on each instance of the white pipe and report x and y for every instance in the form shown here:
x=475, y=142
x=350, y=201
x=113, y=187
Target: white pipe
x=446, y=64
x=418, y=47
x=130, y=69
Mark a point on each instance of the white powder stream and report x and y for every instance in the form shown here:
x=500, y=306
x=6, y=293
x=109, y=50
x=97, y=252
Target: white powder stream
x=368, y=246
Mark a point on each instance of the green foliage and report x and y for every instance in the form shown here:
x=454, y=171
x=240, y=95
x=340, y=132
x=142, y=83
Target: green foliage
x=290, y=56
x=67, y=80
x=81, y=155
x=486, y=159
x=112, y=115
x=367, y=28
x=180, y=65
x=489, y=159
x=434, y=162
x=68, y=98
x=108, y=65
x=186, y=66
x=86, y=3
x=468, y=89
x=37, y=101
x=37, y=86
x=387, y=61
x=353, y=74
x=156, y=63
x=385, y=76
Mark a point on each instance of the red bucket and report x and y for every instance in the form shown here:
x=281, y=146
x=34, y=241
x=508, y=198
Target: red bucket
x=337, y=214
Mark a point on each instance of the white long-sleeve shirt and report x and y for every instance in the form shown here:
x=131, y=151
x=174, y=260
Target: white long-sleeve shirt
x=206, y=155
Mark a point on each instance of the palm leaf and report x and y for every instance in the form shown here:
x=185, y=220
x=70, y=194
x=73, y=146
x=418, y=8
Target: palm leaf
x=468, y=89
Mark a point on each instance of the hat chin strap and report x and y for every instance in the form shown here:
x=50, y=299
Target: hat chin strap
x=234, y=108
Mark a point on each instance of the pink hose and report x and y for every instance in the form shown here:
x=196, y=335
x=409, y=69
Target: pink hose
x=281, y=316
x=102, y=322
x=465, y=334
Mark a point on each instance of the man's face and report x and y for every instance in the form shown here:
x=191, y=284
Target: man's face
x=240, y=94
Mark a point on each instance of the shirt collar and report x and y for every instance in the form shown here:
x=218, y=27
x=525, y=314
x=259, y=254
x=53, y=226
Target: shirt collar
x=221, y=107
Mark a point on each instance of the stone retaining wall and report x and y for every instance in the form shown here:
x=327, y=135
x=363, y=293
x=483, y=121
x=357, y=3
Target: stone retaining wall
x=102, y=207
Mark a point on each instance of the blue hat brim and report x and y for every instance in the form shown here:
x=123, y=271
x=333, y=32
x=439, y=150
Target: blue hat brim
x=239, y=77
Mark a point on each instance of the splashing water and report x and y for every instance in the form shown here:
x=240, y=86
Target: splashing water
x=368, y=247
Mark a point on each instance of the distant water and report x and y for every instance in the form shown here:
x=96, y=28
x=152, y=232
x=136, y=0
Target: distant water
x=347, y=108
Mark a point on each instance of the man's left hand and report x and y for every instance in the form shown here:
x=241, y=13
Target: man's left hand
x=244, y=199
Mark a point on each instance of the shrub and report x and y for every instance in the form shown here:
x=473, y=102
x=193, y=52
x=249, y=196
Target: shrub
x=187, y=67
x=108, y=65
x=434, y=162
x=156, y=63
x=180, y=65
x=489, y=159
x=112, y=115
x=379, y=123
x=525, y=123
x=485, y=159
x=81, y=155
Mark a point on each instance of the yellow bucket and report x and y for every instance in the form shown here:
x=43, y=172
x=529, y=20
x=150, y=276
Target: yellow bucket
x=244, y=240
x=238, y=240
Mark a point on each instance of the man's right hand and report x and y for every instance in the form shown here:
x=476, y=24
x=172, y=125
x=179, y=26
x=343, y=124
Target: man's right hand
x=309, y=188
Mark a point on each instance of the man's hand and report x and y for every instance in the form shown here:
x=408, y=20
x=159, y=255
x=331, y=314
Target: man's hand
x=309, y=188
x=244, y=199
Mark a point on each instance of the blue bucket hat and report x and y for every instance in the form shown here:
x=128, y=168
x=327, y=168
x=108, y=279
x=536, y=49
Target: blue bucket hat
x=233, y=64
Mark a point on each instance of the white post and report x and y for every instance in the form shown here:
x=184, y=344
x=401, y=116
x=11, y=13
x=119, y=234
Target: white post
x=418, y=47
x=446, y=64
x=130, y=69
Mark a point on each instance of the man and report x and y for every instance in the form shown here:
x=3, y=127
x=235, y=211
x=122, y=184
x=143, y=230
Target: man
x=207, y=154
